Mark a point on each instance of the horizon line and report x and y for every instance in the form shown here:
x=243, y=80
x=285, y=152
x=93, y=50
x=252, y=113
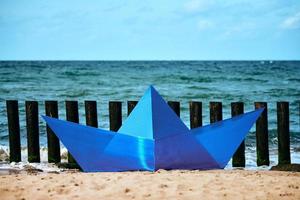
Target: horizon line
x=151, y=60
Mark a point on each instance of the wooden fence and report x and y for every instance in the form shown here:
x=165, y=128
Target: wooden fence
x=115, y=122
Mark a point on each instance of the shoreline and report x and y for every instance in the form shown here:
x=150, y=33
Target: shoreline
x=162, y=184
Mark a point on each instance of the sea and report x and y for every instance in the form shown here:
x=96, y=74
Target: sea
x=184, y=81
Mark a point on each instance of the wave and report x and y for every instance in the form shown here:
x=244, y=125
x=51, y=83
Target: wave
x=81, y=93
x=4, y=154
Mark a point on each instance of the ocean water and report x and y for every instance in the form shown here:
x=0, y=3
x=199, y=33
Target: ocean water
x=184, y=81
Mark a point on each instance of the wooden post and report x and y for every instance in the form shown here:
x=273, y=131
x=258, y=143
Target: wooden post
x=91, y=113
x=72, y=116
x=195, y=114
x=51, y=109
x=215, y=112
x=238, y=159
x=175, y=105
x=13, y=130
x=262, y=144
x=115, y=115
x=283, y=131
x=32, y=124
x=130, y=106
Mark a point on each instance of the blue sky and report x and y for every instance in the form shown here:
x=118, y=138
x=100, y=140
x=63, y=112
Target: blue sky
x=149, y=30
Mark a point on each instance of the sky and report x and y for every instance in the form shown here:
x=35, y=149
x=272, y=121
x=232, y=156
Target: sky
x=150, y=30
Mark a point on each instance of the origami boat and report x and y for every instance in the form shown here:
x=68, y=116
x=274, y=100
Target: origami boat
x=153, y=137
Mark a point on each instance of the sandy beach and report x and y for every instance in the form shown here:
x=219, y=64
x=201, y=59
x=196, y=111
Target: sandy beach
x=177, y=184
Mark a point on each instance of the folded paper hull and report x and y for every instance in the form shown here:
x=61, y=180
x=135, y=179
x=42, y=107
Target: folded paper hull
x=208, y=147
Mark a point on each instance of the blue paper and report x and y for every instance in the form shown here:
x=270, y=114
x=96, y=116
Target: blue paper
x=153, y=137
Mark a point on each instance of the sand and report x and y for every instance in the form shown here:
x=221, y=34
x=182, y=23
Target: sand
x=215, y=184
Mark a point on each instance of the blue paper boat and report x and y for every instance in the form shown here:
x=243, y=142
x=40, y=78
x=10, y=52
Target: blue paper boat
x=153, y=137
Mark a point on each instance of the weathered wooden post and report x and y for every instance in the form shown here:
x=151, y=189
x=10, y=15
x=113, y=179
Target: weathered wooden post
x=91, y=113
x=72, y=116
x=175, y=105
x=32, y=125
x=238, y=159
x=51, y=109
x=195, y=114
x=13, y=130
x=215, y=111
x=283, y=131
x=115, y=115
x=262, y=144
x=130, y=106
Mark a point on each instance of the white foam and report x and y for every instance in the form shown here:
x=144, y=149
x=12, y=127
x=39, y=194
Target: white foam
x=49, y=167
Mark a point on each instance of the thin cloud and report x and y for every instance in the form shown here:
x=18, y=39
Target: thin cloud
x=241, y=30
x=193, y=6
x=292, y=22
